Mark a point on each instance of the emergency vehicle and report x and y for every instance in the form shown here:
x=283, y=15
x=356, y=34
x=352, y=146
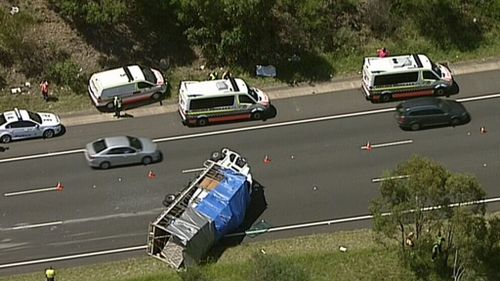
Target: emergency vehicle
x=133, y=84
x=204, y=102
x=405, y=76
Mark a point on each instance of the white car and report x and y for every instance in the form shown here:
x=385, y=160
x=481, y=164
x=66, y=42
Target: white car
x=24, y=124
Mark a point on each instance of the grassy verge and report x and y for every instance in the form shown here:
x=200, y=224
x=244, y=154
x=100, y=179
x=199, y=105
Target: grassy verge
x=315, y=257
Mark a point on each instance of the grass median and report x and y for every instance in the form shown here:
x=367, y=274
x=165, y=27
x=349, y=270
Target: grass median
x=315, y=257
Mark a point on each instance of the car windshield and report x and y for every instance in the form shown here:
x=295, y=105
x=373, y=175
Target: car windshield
x=149, y=75
x=2, y=119
x=436, y=69
x=135, y=143
x=99, y=145
x=35, y=116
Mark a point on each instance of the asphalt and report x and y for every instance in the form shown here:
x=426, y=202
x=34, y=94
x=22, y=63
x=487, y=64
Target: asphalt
x=304, y=89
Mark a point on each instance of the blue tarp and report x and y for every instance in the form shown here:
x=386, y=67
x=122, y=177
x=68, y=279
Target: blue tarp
x=227, y=203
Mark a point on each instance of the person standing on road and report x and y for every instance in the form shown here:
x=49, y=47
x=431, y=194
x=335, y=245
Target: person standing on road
x=50, y=273
x=44, y=88
x=117, y=104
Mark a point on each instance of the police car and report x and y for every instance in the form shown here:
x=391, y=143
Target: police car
x=23, y=124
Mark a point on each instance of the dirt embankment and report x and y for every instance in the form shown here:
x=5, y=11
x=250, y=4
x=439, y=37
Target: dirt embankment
x=50, y=34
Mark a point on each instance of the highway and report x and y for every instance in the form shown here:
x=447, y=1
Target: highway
x=318, y=170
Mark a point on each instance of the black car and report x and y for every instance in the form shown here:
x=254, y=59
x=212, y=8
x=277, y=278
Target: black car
x=430, y=111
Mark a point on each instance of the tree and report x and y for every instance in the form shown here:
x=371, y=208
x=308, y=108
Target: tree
x=429, y=197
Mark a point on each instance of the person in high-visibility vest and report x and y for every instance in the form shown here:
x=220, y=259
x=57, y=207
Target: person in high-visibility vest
x=117, y=104
x=50, y=273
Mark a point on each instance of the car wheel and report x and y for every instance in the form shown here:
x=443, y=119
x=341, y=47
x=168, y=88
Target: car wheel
x=415, y=127
x=216, y=156
x=105, y=165
x=454, y=122
x=48, y=134
x=156, y=96
x=439, y=92
x=385, y=97
x=257, y=115
x=5, y=138
x=147, y=160
x=202, y=122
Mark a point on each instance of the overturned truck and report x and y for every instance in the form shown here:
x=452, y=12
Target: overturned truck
x=209, y=207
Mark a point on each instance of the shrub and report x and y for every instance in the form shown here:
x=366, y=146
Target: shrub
x=66, y=73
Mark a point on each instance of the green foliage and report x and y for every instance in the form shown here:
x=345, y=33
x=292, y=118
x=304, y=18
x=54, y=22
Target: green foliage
x=195, y=273
x=67, y=73
x=462, y=225
x=275, y=268
x=12, y=34
x=93, y=12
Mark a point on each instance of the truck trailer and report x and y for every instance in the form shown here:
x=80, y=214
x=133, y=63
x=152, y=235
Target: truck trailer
x=210, y=206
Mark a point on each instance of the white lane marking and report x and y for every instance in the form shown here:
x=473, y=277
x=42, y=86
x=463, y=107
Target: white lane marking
x=42, y=155
x=317, y=119
x=77, y=256
x=492, y=96
x=30, y=191
x=213, y=133
x=192, y=170
x=88, y=219
x=374, y=180
x=275, y=125
x=387, y=144
x=272, y=229
x=28, y=226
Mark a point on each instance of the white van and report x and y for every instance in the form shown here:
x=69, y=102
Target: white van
x=405, y=76
x=204, y=102
x=132, y=83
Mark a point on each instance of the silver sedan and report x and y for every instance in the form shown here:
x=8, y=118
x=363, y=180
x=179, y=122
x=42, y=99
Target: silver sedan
x=121, y=150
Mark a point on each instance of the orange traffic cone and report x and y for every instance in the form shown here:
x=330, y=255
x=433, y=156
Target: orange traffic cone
x=368, y=146
x=151, y=175
x=267, y=160
x=482, y=130
x=59, y=186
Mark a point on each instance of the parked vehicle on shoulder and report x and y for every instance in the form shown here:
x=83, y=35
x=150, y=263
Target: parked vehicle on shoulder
x=405, y=76
x=204, y=102
x=20, y=124
x=121, y=150
x=430, y=111
x=133, y=84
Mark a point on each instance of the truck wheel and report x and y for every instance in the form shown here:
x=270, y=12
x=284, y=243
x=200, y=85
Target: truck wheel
x=168, y=200
x=202, y=122
x=216, y=156
x=385, y=97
